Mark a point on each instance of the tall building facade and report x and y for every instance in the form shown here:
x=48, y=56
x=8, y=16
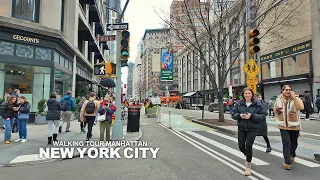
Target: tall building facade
x=154, y=41
x=287, y=55
x=50, y=46
x=131, y=67
x=178, y=22
x=137, y=72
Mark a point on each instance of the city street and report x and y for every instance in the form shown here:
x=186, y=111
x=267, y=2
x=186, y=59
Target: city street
x=309, y=128
x=188, y=151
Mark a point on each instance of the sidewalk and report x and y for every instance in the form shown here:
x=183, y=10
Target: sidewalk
x=307, y=147
x=18, y=153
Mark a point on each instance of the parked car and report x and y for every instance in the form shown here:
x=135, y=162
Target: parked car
x=215, y=105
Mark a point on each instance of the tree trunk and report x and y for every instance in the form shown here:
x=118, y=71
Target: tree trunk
x=221, y=107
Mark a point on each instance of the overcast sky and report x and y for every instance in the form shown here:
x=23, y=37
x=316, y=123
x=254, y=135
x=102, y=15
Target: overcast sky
x=140, y=15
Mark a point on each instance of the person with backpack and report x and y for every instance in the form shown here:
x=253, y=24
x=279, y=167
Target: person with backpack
x=67, y=107
x=88, y=113
x=82, y=124
x=318, y=105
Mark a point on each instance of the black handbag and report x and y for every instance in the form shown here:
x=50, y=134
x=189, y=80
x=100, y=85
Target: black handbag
x=15, y=127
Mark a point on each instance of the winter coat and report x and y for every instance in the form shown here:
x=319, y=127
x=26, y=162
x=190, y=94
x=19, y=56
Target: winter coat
x=271, y=104
x=8, y=112
x=263, y=131
x=25, y=108
x=289, y=118
x=307, y=104
x=70, y=104
x=54, y=109
x=111, y=108
x=258, y=114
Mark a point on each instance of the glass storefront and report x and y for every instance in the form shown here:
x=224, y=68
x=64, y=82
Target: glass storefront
x=32, y=81
x=62, y=83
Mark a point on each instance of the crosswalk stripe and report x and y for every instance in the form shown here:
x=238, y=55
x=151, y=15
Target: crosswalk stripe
x=297, y=160
x=228, y=149
x=189, y=140
x=27, y=158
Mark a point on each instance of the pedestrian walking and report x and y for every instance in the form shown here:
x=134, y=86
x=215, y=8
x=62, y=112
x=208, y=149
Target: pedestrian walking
x=89, y=112
x=270, y=106
x=263, y=131
x=82, y=123
x=67, y=107
x=8, y=112
x=287, y=107
x=249, y=112
x=107, y=108
x=53, y=117
x=318, y=105
x=22, y=119
x=307, y=103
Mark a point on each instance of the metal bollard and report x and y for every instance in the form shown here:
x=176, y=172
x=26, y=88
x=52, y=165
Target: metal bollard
x=169, y=121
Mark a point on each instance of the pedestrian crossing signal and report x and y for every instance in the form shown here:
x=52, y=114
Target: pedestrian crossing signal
x=108, y=68
x=253, y=41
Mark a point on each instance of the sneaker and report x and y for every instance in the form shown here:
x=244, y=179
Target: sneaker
x=60, y=129
x=17, y=140
x=24, y=140
x=83, y=130
x=292, y=158
x=269, y=149
x=286, y=166
x=7, y=142
x=95, y=123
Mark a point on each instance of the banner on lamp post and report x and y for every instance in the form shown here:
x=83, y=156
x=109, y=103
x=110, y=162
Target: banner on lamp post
x=166, y=65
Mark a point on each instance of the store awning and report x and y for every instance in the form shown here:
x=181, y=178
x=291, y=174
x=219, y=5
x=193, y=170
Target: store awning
x=189, y=94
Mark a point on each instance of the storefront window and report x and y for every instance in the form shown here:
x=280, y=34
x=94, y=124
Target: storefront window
x=265, y=71
x=43, y=53
x=63, y=83
x=61, y=60
x=6, y=48
x=289, y=66
x=303, y=63
x=24, y=51
x=56, y=57
x=275, y=68
x=32, y=81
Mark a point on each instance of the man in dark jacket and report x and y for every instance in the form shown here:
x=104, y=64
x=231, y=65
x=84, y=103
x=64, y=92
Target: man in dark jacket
x=67, y=107
x=307, y=107
x=15, y=93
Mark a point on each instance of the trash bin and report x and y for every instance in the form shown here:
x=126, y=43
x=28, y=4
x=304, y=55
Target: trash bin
x=133, y=119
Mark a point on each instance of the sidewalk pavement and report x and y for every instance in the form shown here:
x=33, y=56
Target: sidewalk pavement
x=307, y=147
x=18, y=153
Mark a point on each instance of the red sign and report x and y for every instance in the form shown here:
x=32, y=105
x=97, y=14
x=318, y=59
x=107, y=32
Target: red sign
x=107, y=38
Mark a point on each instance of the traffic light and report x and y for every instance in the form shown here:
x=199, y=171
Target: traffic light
x=108, y=67
x=253, y=41
x=124, y=45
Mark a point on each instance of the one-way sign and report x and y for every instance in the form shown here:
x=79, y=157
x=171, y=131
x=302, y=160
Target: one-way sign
x=117, y=27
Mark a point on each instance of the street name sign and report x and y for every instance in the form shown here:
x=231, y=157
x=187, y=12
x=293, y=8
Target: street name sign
x=107, y=38
x=117, y=27
x=252, y=80
x=251, y=68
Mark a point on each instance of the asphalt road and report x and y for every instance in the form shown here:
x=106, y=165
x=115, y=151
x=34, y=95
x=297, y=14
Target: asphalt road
x=310, y=128
x=201, y=154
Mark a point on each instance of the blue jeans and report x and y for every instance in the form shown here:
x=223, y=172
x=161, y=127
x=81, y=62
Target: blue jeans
x=22, y=127
x=8, y=124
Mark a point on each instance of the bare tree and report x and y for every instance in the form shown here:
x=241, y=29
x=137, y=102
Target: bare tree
x=212, y=28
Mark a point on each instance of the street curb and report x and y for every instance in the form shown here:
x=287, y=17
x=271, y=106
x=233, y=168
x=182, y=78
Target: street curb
x=76, y=155
x=214, y=127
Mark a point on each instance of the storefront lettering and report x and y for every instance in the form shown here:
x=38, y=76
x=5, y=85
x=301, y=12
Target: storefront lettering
x=26, y=39
x=287, y=51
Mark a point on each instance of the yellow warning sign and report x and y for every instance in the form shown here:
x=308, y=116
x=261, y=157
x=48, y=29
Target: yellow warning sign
x=251, y=68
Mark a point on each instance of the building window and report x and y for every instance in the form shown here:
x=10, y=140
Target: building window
x=61, y=60
x=43, y=53
x=235, y=76
x=6, y=48
x=56, y=57
x=24, y=51
x=271, y=70
x=303, y=63
x=26, y=9
x=289, y=66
